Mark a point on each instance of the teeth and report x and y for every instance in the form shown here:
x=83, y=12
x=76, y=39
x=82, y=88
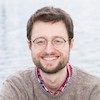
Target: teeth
x=53, y=58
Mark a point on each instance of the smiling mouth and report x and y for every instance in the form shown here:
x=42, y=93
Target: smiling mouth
x=50, y=58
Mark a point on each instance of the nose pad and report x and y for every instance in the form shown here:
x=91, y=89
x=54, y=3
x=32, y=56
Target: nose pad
x=49, y=48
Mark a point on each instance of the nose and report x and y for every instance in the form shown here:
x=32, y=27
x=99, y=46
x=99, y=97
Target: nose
x=49, y=48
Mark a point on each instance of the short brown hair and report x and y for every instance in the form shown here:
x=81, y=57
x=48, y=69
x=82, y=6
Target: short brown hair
x=50, y=14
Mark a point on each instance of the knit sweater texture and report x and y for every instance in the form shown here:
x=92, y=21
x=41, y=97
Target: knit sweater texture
x=24, y=86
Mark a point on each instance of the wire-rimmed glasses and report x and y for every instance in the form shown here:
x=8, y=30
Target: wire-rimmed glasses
x=41, y=42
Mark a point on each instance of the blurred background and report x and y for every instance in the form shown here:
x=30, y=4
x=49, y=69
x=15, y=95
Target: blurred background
x=14, y=52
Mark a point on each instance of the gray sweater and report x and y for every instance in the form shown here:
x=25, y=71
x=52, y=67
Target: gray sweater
x=25, y=86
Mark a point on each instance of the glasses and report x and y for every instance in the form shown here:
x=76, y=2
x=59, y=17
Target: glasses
x=41, y=42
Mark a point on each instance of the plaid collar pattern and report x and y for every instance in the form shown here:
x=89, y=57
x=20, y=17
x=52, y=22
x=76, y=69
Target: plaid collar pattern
x=62, y=87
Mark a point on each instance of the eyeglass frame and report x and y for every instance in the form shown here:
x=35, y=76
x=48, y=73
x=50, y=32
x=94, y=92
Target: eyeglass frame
x=46, y=42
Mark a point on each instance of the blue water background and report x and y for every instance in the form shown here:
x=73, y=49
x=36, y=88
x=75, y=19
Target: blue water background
x=14, y=52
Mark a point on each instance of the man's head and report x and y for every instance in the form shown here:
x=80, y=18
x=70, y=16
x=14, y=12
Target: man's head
x=50, y=35
x=53, y=15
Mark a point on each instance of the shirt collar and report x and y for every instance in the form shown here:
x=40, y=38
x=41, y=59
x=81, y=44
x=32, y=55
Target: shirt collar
x=62, y=87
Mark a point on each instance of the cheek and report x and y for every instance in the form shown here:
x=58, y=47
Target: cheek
x=35, y=53
x=66, y=52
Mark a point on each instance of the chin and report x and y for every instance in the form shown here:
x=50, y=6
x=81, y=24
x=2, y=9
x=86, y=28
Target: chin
x=52, y=69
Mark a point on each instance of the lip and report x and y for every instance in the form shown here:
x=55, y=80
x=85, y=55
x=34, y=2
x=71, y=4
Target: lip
x=50, y=60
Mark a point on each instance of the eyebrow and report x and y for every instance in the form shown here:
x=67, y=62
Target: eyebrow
x=39, y=38
x=46, y=39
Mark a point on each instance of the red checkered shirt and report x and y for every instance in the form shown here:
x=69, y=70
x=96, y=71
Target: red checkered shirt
x=64, y=84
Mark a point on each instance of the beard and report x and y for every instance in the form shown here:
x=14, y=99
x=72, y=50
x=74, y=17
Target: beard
x=61, y=64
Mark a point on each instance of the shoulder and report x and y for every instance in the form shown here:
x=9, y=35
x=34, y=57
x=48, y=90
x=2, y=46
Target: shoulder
x=86, y=77
x=87, y=84
x=22, y=75
x=18, y=84
x=20, y=79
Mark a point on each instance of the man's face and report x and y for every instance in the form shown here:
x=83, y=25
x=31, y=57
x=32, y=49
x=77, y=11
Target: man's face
x=49, y=58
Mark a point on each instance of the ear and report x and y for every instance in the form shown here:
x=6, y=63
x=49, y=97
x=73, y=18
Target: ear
x=71, y=43
x=29, y=44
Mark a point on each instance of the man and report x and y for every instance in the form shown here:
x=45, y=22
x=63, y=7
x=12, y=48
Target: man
x=50, y=40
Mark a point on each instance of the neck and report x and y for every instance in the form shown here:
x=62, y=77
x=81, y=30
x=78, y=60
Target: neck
x=54, y=81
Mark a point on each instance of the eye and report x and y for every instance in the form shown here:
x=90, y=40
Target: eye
x=58, y=41
x=40, y=42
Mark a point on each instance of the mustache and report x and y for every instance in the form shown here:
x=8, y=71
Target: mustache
x=48, y=54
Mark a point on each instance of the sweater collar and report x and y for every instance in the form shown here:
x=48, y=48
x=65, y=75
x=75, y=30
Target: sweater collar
x=61, y=88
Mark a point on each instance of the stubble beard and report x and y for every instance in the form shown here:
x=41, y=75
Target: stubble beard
x=62, y=63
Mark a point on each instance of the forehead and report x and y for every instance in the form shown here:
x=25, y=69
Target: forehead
x=49, y=30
